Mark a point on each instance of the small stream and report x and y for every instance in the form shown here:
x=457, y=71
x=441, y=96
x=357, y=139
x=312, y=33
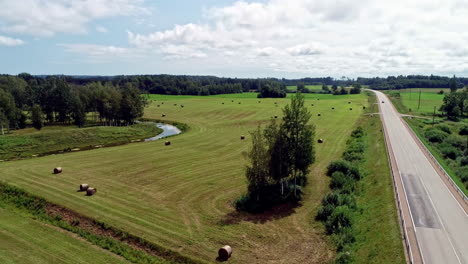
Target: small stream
x=168, y=130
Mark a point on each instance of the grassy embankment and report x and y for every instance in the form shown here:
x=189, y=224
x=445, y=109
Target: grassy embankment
x=181, y=196
x=30, y=142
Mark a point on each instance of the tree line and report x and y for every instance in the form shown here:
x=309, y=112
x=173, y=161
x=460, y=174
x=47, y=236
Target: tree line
x=54, y=100
x=411, y=81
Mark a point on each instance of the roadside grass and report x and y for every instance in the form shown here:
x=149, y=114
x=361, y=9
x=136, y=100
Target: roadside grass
x=25, y=240
x=28, y=142
x=409, y=99
x=418, y=127
x=378, y=235
x=181, y=196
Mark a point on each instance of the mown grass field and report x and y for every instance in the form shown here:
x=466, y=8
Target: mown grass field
x=180, y=196
x=429, y=99
x=27, y=142
x=24, y=240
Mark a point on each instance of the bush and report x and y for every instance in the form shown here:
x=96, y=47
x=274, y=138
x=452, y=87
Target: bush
x=435, y=135
x=332, y=199
x=462, y=173
x=444, y=128
x=449, y=151
x=463, y=130
x=344, y=258
x=324, y=212
x=353, y=156
x=464, y=161
x=343, y=239
x=356, y=146
x=342, y=182
x=456, y=141
x=357, y=133
x=344, y=167
x=340, y=219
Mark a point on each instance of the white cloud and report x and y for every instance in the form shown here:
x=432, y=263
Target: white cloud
x=314, y=37
x=101, y=53
x=101, y=29
x=48, y=17
x=7, y=41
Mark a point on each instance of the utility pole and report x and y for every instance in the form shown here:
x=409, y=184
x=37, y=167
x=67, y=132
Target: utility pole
x=419, y=102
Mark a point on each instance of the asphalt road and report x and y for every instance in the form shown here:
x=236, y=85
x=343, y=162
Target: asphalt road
x=440, y=222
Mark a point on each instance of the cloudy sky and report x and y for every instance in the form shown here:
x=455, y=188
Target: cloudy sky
x=259, y=38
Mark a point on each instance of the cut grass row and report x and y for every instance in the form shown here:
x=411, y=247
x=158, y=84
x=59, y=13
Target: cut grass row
x=181, y=196
x=28, y=142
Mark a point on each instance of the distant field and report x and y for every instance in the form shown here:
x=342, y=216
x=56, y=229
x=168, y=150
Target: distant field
x=181, y=196
x=317, y=87
x=24, y=240
x=429, y=99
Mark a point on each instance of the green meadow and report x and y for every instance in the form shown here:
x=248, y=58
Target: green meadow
x=181, y=196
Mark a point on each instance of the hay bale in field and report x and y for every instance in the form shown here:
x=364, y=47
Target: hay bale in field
x=333, y=108
x=232, y=101
x=84, y=187
x=58, y=170
x=349, y=102
x=225, y=252
x=318, y=99
x=222, y=103
x=175, y=104
x=182, y=106
x=242, y=137
x=364, y=107
x=158, y=105
x=91, y=191
x=167, y=143
x=320, y=141
x=312, y=104
x=259, y=101
x=276, y=102
x=319, y=114
x=350, y=109
x=276, y=116
x=163, y=115
x=239, y=102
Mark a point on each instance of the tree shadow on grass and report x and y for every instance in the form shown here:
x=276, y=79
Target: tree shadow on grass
x=277, y=212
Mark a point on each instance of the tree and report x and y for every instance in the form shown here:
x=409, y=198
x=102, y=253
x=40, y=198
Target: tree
x=301, y=87
x=334, y=88
x=257, y=172
x=325, y=88
x=132, y=104
x=37, y=117
x=78, y=112
x=299, y=136
x=3, y=121
x=356, y=89
x=453, y=84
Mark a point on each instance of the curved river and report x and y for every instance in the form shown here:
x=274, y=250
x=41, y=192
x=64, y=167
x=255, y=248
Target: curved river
x=168, y=130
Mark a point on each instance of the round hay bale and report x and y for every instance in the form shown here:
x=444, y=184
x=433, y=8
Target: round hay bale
x=232, y=101
x=349, y=102
x=225, y=252
x=175, y=104
x=312, y=104
x=163, y=115
x=364, y=107
x=58, y=170
x=84, y=187
x=239, y=102
x=91, y=191
x=320, y=141
x=162, y=103
x=319, y=114
x=182, y=106
x=350, y=109
x=158, y=105
x=276, y=102
x=333, y=108
x=242, y=137
x=318, y=99
x=259, y=101
x=222, y=103
x=276, y=117
x=167, y=143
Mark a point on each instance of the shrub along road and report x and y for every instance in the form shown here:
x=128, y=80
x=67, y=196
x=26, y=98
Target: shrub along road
x=440, y=222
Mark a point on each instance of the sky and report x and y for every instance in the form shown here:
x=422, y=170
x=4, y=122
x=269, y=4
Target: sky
x=260, y=38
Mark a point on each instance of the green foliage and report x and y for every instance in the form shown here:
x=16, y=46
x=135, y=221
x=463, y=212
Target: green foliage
x=339, y=220
x=463, y=130
x=37, y=117
x=435, y=135
x=344, y=167
x=444, y=128
x=342, y=182
x=356, y=89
